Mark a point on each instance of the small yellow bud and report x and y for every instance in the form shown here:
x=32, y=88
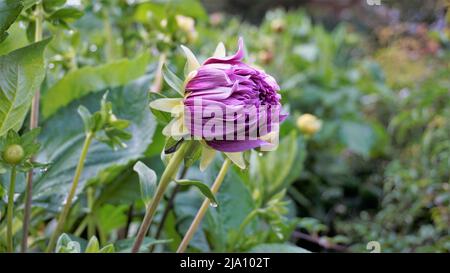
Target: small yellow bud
x=13, y=154
x=187, y=24
x=309, y=124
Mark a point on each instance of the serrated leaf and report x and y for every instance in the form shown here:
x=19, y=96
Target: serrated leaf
x=147, y=181
x=83, y=81
x=21, y=74
x=203, y=188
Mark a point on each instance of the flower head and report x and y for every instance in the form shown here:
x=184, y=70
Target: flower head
x=240, y=96
x=229, y=105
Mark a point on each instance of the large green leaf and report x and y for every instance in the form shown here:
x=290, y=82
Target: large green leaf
x=63, y=136
x=358, y=137
x=83, y=81
x=9, y=10
x=21, y=73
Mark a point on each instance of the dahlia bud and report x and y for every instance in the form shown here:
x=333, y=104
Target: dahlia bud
x=227, y=83
x=309, y=124
x=13, y=154
x=228, y=104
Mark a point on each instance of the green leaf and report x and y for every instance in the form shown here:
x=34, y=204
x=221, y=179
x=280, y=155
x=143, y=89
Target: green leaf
x=111, y=217
x=203, y=188
x=147, y=181
x=62, y=143
x=173, y=80
x=51, y=4
x=278, y=248
x=66, y=245
x=21, y=74
x=83, y=81
x=230, y=212
x=290, y=151
x=358, y=137
x=9, y=10
x=107, y=249
x=93, y=246
x=16, y=38
x=66, y=14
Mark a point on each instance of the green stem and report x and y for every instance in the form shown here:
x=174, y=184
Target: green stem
x=76, y=178
x=201, y=212
x=34, y=120
x=81, y=227
x=10, y=211
x=109, y=37
x=167, y=176
x=91, y=218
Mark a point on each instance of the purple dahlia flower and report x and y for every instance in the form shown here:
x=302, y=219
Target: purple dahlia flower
x=231, y=105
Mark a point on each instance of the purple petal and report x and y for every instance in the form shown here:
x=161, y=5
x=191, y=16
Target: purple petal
x=235, y=145
x=238, y=56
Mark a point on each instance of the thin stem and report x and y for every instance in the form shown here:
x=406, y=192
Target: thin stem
x=10, y=211
x=76, y=178
x=81, y=227
x=201, y=212
x=129, y=220
x=34, y=120
x=91, y=217
x=166, y=177
x=168, y=208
